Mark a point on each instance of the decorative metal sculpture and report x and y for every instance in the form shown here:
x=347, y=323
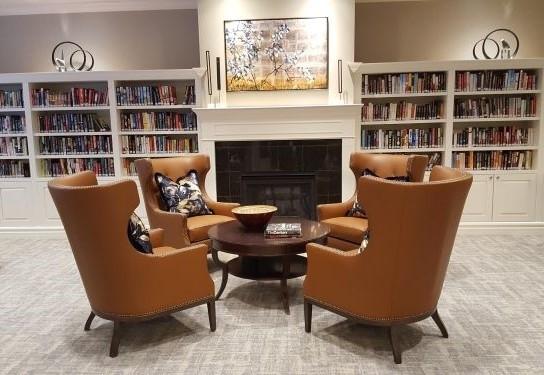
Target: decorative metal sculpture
x=61, y=65
x=504, y=49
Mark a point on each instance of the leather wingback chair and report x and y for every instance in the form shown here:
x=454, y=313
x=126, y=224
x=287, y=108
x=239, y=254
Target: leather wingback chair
x=398, y=278
x=347, y=232
x=179, y=229
x=121, y=283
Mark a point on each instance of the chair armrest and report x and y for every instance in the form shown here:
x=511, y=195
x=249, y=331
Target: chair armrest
x=332, y=275
x=221, y=208
x=156, y=236
x=330, y=210
x=174, y=225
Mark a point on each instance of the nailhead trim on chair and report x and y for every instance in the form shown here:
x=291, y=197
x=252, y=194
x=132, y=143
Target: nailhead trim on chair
x=368, y=317
x=162, y=309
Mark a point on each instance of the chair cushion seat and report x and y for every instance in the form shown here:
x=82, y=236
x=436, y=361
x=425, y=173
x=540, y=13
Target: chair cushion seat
x=347, y=228
x=198, y=225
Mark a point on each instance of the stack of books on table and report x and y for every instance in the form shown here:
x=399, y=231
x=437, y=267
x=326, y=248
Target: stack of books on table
x=283, y=230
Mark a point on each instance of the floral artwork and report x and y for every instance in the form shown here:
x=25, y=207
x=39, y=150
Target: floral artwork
x=276, y=54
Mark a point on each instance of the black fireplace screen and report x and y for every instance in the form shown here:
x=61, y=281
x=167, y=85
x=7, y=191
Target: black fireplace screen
x=293, y=194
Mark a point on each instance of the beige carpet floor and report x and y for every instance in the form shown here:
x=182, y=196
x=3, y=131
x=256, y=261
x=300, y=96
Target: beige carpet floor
x=492, y=305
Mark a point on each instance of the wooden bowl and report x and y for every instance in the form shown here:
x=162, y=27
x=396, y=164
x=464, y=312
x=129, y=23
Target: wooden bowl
x=254, y=217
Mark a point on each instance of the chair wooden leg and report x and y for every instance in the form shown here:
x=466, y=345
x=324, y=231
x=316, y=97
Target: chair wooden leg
x=440, y=324
x=89, y=321
x=397, y=354
x=211, y=315
x=115, y=339
x=307, y=316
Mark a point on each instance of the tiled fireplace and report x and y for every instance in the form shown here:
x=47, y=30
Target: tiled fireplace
x=293, y=157
x=293, y=175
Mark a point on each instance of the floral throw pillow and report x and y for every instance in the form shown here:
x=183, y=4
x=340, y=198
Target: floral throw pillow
x=138, y=235
x=357, y=210
x=183, y=196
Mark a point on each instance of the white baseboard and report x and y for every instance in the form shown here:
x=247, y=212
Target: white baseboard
x=501, y=228
x=33, y=232
x=464, y=228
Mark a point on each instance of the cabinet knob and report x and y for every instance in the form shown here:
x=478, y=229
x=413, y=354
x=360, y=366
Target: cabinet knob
x=498, y=177
x=490, y=177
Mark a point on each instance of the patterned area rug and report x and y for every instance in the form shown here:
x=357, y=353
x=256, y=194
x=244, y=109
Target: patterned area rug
x=492, y=305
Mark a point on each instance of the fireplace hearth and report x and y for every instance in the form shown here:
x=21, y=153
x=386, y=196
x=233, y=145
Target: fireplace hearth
x=293, y=175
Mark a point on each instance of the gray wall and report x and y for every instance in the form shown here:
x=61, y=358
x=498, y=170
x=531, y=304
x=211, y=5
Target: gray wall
x=443, y=29
x=118, y=40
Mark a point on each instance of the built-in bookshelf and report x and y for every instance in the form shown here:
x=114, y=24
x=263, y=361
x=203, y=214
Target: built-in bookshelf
x=14, y=148
x=55, y=124
x=155, y=119
x=480, y=116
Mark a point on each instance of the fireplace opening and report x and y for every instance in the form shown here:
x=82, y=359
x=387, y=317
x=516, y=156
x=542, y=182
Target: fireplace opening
x=294, y=175
x=294, y=194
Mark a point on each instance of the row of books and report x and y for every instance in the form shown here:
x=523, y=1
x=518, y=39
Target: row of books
x=13, y=146
x=482, y=160
x=72, y=122
x=283, y=230
x=75, y=97
x=402, y=111
x=95, y=144
x=129, y=168
x=144, y=144
x=60, y=167
x=158, y=121
x=11, y=98
x=153, y=95
x=12, y=124
x=401, y=138
x=496, y=80
x=398, y=83
x=493, y=136
x=501, y=106
x=14, y=168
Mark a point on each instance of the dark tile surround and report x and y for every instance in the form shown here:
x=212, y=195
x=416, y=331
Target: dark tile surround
x=316, y=164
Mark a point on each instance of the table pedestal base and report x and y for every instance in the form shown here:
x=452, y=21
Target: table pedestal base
x=279, y=268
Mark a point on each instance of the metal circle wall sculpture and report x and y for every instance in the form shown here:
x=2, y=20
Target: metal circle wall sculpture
x=502, y=48
x=71, y=55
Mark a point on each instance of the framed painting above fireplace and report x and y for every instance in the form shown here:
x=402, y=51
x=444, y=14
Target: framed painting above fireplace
x=277, y=54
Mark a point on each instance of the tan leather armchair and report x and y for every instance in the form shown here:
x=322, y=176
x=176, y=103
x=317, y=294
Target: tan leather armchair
x=398, y=278
x=180, y=230
x=122, y=284
x=347, y=232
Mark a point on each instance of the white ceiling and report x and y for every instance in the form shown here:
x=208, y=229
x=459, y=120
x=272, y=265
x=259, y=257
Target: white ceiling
x=12, y=7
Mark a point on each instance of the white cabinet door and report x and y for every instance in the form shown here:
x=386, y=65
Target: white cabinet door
x=514, y=197
x=17, y=204
x=479, y=204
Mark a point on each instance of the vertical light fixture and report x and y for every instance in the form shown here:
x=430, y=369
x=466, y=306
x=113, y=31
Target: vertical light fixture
x=218, y=72
x=209, y=76
x=340, y=79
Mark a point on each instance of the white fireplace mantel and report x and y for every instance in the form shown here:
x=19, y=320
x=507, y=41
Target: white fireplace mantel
x=330, y=121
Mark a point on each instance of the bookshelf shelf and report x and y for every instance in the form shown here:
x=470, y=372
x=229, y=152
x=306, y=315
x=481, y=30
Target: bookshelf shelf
x=14, y=157
x=495, y=119
x=403, y=150
x=403, y=122
x=11, y=109
x=70, y=109
x=156, y=155
x=496, y=92
x=156, y=107
x=158, y=132
x=69, y=134
x=74, y=156
x=494, y=148
x=405, y=95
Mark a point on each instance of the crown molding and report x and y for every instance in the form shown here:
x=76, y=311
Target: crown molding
x=26, y=7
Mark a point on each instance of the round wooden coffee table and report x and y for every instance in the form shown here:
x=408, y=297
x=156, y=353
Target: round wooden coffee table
x=261, y=258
